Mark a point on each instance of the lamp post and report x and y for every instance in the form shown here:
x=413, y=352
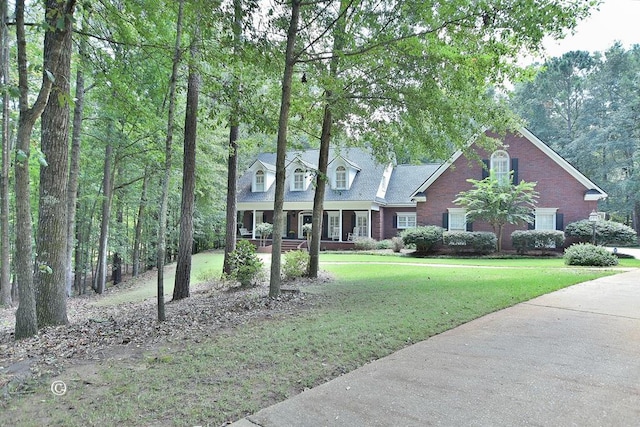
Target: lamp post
x=593, y=218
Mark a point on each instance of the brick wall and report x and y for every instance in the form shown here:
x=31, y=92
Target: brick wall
x=557, y=188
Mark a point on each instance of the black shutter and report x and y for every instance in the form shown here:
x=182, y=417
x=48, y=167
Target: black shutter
x=325, y=225
x=559, y=221
x=514, y=168
x=445, y=220
x=353, y=222
x=395, y=221
x=469, y=226
x=485, y=168
x=532, y=225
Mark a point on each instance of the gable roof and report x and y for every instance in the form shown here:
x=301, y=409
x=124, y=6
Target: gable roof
x=593, y=192
x=404, y=180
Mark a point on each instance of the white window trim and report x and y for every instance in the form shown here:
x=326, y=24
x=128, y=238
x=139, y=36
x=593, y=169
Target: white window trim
x=298, y=173
x=405, y=217
x=545, y=212
x=457, y=211
x=503, y=175
x=338, y=184
x=259, y=187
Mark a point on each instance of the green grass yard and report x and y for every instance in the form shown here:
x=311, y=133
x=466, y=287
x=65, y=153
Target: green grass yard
x=375, y=305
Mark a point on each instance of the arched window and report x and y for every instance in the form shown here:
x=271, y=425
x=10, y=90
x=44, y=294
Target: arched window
x=298, y=180
x=341, y=178
x=259, y=187
x=500, y=166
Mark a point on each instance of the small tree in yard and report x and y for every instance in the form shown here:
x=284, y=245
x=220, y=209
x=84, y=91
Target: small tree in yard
x=498, y=203
x=264, y=229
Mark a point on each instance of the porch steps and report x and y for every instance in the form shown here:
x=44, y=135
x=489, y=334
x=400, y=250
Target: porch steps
x=292, y=245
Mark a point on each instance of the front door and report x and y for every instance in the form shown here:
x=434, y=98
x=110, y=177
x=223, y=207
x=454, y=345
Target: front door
x=305, y=218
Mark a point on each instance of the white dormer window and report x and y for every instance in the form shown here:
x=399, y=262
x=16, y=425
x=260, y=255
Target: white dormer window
x=500, y=166
x=341, y=178
x=298, y=180
x=259, y=182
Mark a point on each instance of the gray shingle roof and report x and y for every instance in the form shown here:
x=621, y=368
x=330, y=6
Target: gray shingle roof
x=404, y=179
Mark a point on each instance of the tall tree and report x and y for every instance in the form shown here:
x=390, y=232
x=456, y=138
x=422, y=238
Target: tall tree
x=164, y=201
x=281, y=150
x=5, y=285
x=51, y=244
x=185, y=246
x=232, y=160
x=74, y=163
x=56, y=39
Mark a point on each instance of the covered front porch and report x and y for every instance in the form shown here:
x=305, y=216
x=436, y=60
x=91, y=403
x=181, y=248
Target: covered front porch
x=338, y=225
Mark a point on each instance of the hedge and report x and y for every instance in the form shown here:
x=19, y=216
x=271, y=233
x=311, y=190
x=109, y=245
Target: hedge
x=527, y=240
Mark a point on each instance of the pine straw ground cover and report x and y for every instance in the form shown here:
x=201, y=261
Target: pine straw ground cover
x=224, y=354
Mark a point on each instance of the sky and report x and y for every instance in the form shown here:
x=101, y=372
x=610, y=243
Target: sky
x=616, y=20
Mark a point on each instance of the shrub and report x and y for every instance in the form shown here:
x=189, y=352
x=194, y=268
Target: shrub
x=527, y=240
x=364, y=243
x=397, y=244
x=296, y=264
x=245, y=264
x=607, y=232
x=483, y=242
x=588, y=254
x=384, y=244
x=424, y=238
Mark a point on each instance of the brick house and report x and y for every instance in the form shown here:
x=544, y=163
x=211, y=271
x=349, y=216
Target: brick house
x=365, y=198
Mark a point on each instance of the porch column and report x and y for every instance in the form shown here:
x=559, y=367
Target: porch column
x=369, y=224
x=253, y=225
x=340, y=224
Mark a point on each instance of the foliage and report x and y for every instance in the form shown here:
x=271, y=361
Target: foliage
x=497, y=203
x=586, y=106
x=364, y=243
x=296, y=264
x=384, y=244
x=264, y=230
x=424, y=238
x=589, y=255
x=526, y=240
x=306, y=230
x=606, y=232
x=481, y=242
x=245, y=264
x=397, y=244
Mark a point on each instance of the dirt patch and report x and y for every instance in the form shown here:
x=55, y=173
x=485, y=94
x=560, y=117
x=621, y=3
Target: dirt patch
x=126, y=331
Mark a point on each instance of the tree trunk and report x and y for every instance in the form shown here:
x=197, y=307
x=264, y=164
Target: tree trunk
x=116, y=268
x=74, y=168
x=281, y=151
x=51, y=244
x=318, y=197
x=232, y=161
x=137, y=242
x=185, y=244
x=325, y=141
x=100, y=278
x=162, y=227
x=5, y=285
x=26, y=317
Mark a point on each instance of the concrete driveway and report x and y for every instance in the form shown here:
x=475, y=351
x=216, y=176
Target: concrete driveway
x=569, y=358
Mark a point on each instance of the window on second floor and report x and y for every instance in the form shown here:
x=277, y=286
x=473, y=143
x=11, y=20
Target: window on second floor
x=500, y=166
x=259, y=187
x=298, y=180
x=341, y=178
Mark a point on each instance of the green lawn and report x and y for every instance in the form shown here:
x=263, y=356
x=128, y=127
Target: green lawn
x=364, y=314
